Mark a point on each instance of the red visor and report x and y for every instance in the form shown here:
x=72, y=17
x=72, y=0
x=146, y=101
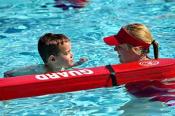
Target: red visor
x=123, y=37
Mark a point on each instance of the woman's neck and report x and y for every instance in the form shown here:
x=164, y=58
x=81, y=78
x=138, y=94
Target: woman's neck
x=144, y=58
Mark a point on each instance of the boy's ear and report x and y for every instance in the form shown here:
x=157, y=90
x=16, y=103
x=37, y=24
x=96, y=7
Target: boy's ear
x=51, y=58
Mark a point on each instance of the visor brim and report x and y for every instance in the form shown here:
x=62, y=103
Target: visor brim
x=111, y=40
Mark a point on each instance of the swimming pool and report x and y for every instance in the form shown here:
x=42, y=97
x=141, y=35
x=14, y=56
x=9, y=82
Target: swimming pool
x=23, y=21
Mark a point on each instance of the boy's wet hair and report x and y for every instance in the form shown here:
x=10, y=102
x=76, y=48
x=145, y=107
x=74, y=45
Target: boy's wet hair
x=48, y=44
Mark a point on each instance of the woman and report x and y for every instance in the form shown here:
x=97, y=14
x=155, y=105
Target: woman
x=132, y=43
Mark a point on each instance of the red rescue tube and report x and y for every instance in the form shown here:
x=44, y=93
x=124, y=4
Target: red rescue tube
x=87, y=78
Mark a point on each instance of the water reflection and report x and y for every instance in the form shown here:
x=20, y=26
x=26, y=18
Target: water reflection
x=150, y=97
x=156, y=90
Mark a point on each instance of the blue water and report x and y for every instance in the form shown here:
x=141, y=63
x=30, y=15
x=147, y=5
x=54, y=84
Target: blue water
x=22, y=22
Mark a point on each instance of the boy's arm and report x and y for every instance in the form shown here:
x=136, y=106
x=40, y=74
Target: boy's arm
x=9, y=73
x=21, y=71
x=80, y=62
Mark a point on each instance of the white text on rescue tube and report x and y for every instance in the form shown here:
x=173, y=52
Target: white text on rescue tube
x=64, y=74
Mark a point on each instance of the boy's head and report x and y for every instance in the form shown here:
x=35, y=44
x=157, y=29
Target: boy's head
x=55, y=50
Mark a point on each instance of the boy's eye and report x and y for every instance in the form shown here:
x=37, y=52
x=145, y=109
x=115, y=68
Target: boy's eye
x=65, y=53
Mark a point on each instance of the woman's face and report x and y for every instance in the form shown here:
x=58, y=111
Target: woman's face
x=126, y=53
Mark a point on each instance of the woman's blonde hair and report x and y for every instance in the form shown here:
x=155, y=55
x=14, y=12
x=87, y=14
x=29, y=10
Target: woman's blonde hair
x=140, y=31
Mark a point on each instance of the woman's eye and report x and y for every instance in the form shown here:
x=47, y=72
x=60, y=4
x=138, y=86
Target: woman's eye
x=115, y=49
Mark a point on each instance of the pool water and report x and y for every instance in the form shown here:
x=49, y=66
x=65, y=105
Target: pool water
x=22, y=22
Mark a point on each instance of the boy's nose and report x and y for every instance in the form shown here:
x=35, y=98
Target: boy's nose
x=71, y=55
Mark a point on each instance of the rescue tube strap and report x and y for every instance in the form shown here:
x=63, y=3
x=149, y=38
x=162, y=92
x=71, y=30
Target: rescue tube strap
x=112, y=74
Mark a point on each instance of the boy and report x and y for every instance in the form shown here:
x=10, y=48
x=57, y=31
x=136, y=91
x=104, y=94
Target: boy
x=55, y=51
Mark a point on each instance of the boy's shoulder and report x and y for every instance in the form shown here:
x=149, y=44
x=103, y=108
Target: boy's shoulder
x=33, y=69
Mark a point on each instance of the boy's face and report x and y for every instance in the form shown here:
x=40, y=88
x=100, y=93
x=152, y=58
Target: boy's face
x=65, y=57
